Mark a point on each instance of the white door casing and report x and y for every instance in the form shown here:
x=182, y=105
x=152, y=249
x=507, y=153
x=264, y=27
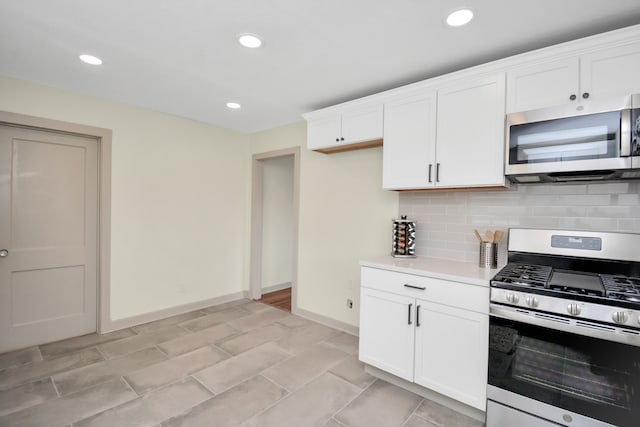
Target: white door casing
x=49, y=225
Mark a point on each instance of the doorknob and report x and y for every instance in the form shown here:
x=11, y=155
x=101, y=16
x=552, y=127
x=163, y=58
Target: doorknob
x=4, y=253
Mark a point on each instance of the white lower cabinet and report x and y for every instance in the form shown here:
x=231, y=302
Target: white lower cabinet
x=387, y=341
x=450, y=352
x=428, y=331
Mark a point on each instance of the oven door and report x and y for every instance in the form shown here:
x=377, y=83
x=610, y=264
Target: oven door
x=593, y=378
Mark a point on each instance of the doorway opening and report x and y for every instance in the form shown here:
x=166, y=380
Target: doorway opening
x=274, y=228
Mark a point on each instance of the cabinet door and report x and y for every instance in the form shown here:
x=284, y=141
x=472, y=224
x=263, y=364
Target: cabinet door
x=387, y=332
x=611, y=72
x=409, y=142
x=362, y=124
x=542, y=85
x=452, y=352
x=323, y=132
x=470, y=133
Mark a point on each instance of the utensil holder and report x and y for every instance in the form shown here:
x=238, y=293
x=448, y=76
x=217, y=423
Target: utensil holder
x=488, y=255
x=404, y=238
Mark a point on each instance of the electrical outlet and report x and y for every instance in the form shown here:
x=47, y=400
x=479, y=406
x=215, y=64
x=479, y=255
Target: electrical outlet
x=349, y=303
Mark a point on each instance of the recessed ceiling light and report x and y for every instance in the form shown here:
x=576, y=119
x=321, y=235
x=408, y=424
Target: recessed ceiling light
x=250, y=40
x=90, y=59
x=459, y=17
x=233, y=105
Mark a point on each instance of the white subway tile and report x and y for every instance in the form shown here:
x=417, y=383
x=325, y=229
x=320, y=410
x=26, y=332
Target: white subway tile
x=586, y=200
x=611, y=211
x=608, y=188
x=595, y=224
x=555, y=189
x=629, y=199
x=629, y=225
x=558, y=210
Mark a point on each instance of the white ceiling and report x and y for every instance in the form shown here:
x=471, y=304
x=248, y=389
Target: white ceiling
x=181, y=57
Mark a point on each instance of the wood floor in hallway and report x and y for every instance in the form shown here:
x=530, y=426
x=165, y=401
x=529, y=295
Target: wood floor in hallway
x=280, y=299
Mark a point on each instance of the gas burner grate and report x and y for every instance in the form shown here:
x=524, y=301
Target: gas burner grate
x=622, y=287
x=524, y=275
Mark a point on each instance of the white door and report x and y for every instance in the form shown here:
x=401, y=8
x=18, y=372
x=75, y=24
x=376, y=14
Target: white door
x=361, y=124
x=408, y=158
x=611, y=72
x=470, y=133
x=48, y=229
x=543, y=85
x=323, y=132
x=386, y=332
x=451, y=352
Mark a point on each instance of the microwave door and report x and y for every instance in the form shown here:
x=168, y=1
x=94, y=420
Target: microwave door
x=590, y=142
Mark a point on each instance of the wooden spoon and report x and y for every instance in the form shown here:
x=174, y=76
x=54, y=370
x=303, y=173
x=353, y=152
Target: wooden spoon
x=489, y=236
x=498, y=235
x=478, y=235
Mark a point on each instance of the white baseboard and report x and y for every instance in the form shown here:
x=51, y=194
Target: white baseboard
x=327, y=321
x=139, y=319
x=281, y=286
x=463, y=408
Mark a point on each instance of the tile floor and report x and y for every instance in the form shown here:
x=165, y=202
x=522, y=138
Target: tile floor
x=238, y=364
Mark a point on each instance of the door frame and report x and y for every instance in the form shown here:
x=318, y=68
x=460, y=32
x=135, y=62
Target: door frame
x=255, y=256
x=103, y=139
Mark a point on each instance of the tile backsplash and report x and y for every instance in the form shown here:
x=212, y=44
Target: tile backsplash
x=446, y=220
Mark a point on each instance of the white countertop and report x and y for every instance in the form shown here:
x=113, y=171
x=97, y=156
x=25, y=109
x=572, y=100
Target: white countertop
x=465, y=272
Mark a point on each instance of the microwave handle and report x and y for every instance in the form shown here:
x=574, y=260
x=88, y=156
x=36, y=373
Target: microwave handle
x=625, y=133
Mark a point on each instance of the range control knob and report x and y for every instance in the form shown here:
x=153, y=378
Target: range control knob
x=531, y=301
x=574, y=309
x=620, y=317
x=512, y=298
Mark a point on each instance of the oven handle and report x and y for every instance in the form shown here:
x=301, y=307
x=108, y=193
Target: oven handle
x=566, y=324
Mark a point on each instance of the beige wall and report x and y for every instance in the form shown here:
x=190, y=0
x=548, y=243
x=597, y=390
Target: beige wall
x=180, y=206
x=277, y=221
x=178, y=198
x=344, y=216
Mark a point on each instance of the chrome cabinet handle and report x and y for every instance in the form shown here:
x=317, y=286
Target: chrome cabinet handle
x=4, y=253
x=437, y=172
x=422, y=288
x=430, y=167
x=418, y=316
x=409, y=314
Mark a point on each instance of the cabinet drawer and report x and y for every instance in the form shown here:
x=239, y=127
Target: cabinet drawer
x=456, y=294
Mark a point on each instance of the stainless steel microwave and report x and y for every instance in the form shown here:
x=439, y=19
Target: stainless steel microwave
x=597, y=140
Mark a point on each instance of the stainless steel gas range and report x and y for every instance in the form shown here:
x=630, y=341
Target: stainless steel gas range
x=564, y=331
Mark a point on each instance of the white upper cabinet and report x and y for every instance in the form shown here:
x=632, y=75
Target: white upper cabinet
x=449, y=138
x=333, y=130
x=544, y=84
x=409, y=141
x=602, y=73
x=323, y=132
x=470, y=133
x=611, y=72
x=361, y=124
